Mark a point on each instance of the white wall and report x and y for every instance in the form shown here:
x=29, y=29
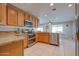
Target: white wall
x=74, y=29
x=67, y=30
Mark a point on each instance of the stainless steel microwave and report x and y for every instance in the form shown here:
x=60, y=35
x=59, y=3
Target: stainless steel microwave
x=28, y=23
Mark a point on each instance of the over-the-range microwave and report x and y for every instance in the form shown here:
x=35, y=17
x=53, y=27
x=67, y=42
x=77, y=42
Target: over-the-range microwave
x=28, y=23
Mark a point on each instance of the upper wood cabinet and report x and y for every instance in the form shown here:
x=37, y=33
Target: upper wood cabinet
x=37, y=23
x=34, y=22
x=27, y=16
x=12, y=16
x=20, y=18
x=2, y=14
x=31, y=17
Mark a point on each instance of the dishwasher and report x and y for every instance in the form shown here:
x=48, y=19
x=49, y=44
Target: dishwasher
x=54, y=39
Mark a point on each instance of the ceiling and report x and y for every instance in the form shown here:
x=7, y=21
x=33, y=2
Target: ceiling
x=44, y=11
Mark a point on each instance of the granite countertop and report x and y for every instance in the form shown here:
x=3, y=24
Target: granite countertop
x=10, y=39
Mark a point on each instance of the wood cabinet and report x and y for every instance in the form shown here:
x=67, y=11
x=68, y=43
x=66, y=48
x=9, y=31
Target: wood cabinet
x=31, y=18
x=20, y=18
x=25, y=43
x=42, y=37
x=2, y=14
x=34, y=22
x=12, y=16
x=25, y=40
x=27, y=16
x=14, y=48
x=37, y=23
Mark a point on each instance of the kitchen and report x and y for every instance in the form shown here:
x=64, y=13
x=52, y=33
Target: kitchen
x=20, y=30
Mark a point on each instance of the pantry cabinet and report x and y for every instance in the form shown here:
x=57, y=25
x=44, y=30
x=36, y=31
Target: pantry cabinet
x=20, y=18
x=2, y=14
x=12, y=16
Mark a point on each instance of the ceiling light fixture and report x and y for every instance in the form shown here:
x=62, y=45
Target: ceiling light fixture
x=70, y=5
x=56, y=18
x=54, y=9
x=45, y=15
x=51, y=4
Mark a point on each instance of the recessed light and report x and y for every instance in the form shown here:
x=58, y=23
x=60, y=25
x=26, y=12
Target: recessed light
x=51, y=4
x=45, y=15
x=54, y=9
x=56, y=18
x=70, y=5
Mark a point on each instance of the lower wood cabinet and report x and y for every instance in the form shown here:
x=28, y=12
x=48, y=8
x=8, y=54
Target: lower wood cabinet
x=14, y=48
x=25, y=42
x=42, y=37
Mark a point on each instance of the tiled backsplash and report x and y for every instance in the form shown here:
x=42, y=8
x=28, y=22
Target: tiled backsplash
x=8, y=28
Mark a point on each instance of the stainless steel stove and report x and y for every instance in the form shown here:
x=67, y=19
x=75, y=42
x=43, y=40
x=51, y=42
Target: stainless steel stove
x=30, y=31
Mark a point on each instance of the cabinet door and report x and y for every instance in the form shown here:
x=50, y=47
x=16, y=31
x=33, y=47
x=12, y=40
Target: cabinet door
x=25, y=43
x=37, y=22
x=42, y=38
x=12, y=16
x=14, y=48
x=27, y=16
x=2, y=14
x=31, y=17
x=20, y=18
x=46, y=38
x=34, y=22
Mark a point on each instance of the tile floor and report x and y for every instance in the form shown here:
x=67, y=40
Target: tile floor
x=66, y=48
